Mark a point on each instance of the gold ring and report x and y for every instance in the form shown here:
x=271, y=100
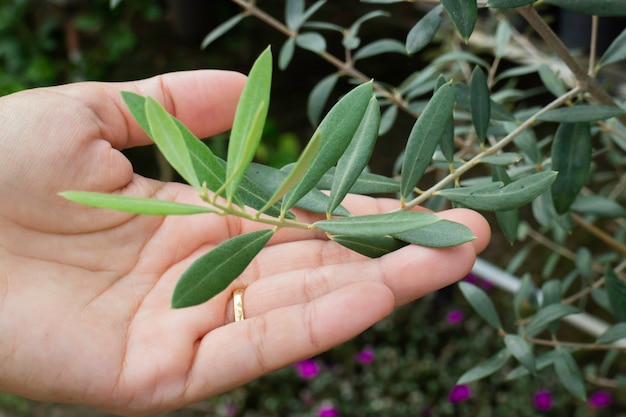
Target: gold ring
x=238, y=304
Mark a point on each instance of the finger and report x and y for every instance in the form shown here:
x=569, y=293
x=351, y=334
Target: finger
x=203, y=100
x=280, y=337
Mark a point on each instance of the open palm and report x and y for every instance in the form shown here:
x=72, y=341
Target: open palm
x=85, y=293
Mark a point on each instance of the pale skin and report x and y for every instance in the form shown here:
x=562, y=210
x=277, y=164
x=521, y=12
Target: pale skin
x=85, y=293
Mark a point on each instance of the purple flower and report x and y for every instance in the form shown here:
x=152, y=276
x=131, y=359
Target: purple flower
x=307, y=369
x=542, y=400
x=366, y=356
x=454, y=317
x=459, y=393
x=327, y=411
x=231, y=409
x=600, y=399
x=478, y=281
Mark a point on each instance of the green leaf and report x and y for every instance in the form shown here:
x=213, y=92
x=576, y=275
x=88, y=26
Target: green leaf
x=525, y=298
x=381, y=46
x=366, y=183
x=319, y=97
x=581, y=113
x=503, y=37
x=615, y=52
x=249, y=121
x=571, y=158
x=592, y=7
x=351, y=38
x=541, y=362
x=494, y=197
x=130, y=204
x=286, y=53
x=388, y=119
x=425, y=136
x=551, y=80
x=424, y=31
x=547, y=315
x=521, y=350
x=442, y=234
x=377, y=224
x=463, y=14
x=214, y=271
x=208, y=170
x=296, y=16
x=370, y=246
x=613, y=333
x=486, y=368
x=311, y=41
x=584, y=264
x=356, y=156
x=508, y=4
x=480, y=103
x=508, y=220
x=616, y=289
x=569, y=374
x=270, y=179
x=114, y=3
x=222, y=29
x=481, y=303
x=169, y=139
x=598, y=206
x=335, y=133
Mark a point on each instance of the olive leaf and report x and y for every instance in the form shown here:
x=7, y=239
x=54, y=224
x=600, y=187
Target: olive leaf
x=481, y=303
x=377, y=224
x=131, y=204
x=424, y=31
x=371, y=246
x=480, y=103
x=249, y=120
x=213, y=272
x=486, y=368
x=425, y=136
x=463, y=14
x=495, y=197
x=592, y=7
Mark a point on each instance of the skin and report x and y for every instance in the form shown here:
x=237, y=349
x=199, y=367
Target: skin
x=85, y=293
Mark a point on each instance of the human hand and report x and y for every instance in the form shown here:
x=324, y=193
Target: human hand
x=85, y=293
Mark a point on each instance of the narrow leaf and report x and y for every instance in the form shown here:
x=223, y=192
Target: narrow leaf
x=130, y=204
x=388, y=119
x=486, y=368
x=286, y=53
x=615, y=52
x=222, y=29
x=377, y=224
x=508, y=220
x=425, y=136
x=494, y=197
x=463, y=14
x=169, y=139
x=569, y=374
x=249, y=121
x=335, y=133
x=311, y=41
x=270, y=179
x=356, y=156
x=521, y=350
x=370, y=246
x=581, y=113
x=213, y=272
x=503, y=37
x=613, y=333
x=541, y=362
x=551, y=80
x=616, y=289
x=366, y=183
x=591, y=7
x=319, y=97
x=294, y=10
x=571, y=158
x=442, y=234
x=424, y=31
x=598, y=206
x=525, y=298
x=381, y=46
x=480, y=103
x=547, y=315
x=481, y=303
